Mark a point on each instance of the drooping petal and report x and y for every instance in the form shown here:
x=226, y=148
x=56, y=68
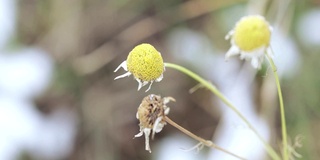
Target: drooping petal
x=157, y=127
x=168, y=99
x=166, y=110
x=159, y=78
x=122, y=76
x=255, y=62
x=149, y=86
x=234, y=50
x=230, y=33
x=141, y=83
x=122, y=65
x=147, y=135
x=139, y=134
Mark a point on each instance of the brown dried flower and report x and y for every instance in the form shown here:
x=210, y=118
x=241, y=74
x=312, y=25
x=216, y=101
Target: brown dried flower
x=150, y=114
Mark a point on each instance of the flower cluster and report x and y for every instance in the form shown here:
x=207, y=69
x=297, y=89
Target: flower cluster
x=250, y=38
x=150, y=114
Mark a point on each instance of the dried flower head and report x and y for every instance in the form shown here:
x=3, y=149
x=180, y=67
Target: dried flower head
x=145, y=63
x=150, y=114
x=250, y=38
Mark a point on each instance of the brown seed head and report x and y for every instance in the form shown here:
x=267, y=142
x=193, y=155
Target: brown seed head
x=152, y=107
x=150, y=114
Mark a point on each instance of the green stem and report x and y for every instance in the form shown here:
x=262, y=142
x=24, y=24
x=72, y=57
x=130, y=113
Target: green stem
x=282, y=112
x=214, y=90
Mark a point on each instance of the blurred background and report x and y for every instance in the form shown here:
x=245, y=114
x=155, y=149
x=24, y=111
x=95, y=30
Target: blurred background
x=58, y=99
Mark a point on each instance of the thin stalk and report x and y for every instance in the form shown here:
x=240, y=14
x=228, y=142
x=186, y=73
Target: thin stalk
x=282, y=111
x=207, y=143
x=214, y=90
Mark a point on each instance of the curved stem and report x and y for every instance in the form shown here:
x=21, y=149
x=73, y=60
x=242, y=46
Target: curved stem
x=214, y=90
x=282, y=111
x=207, y=143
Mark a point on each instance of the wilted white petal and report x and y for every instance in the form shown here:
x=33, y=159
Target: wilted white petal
x=255, y=62
x=141, y=83
x=229, y=35
x=157, y=127
x=234, y=50
x=244, y=55
x=122, y=76
x=122, y=65
x=139, y=134
x=149, y=86
x=159, y=78
x=166, y=111
x=168, y=99
x=147, y=135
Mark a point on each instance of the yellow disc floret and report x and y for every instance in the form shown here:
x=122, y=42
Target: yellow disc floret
x=252, y=32
x=145, y=62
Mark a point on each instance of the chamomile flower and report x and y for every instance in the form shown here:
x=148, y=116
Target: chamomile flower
x=251, y=39
x=145, y=63
x=150, y=114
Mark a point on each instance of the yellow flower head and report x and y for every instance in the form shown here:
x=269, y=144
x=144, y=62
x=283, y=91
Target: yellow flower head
x=250, y=38
x=145, y=63
x=252, y=32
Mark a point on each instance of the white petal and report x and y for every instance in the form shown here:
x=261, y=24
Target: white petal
x=122, y=76
x=141, y=83
x=151, y=96
x=271, y=28
x=230, y=33
x=234, y=50
x=146, y=135
x=168, y=99
x=139, y=134
x=157, y=127
x=149, y=86
x=122, y=65
x=255, y=62
x=245, y=56
x=159, y=78
x=137, y=115
x=166, y=111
